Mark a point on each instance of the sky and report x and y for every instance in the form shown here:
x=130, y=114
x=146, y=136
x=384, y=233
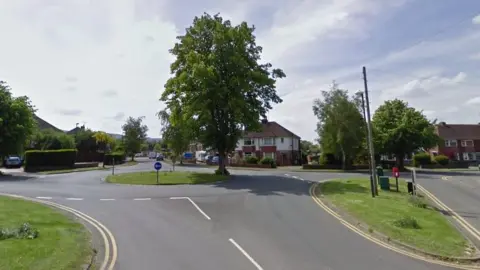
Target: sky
x=97, y=62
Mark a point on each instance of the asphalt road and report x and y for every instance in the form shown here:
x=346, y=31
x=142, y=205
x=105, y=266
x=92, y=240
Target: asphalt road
x=255, y=221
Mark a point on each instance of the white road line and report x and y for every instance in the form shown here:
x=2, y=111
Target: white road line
x=194, y=204
x=287, y=174
x=74, y=199
x=44, y=198
x=296, y=177
x=107, y=199
x=245, y=254
x=142, y=199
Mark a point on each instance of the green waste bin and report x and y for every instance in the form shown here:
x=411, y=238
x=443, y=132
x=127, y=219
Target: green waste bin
x=384, y=182
x=379, y=171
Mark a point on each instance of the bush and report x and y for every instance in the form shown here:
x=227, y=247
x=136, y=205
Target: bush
x=442, y=160
x=421, y=159
x=251, y=160
x=25, y=231
x=63, y=158
x=119, y=158
x=217, y=172
x=268, y=161
x=407, y=222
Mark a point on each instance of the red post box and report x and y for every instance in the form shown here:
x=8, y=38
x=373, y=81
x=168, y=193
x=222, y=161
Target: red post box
x=396, y=174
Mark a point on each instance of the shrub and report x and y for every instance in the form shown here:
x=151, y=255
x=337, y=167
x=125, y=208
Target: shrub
x=442, y=160
x=50, y=158
x=407, y=222
x=251, y=160
x=418, y=202
x=25, y=231
x=217, y=172
x=268, y=161
x=421, y=159
x=119, y=158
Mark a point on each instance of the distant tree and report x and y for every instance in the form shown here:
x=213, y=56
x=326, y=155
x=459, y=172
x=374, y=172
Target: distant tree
x=85, y=141
x=341, y=126
x=308, y=147
x=144, y=147
x=17, y=122
x=158, y=147
x=177, y=136
x=103, y=140
x=218, y=87
x=134, y=135
x=401, y=130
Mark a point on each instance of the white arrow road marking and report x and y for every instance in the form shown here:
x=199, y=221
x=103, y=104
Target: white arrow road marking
x=194, y=204
x=107, y=199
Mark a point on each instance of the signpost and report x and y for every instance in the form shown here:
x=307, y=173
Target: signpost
x=157, y=166
x=396, y=174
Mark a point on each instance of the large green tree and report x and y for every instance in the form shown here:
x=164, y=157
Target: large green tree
x=401, y=130
x=341, y=127
x=218, y=85
x=50, y=139
x=17, y=123
x=134, y=135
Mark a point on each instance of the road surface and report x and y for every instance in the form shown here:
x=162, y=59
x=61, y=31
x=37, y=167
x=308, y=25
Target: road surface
x=255, y=221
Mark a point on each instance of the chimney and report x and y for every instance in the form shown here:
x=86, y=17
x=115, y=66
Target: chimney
x=443, y=123
x=264, y=121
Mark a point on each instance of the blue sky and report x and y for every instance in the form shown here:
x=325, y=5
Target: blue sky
x=101, y=61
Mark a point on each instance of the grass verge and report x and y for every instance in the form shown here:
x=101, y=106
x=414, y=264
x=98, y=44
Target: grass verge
x=61, y=243
x=396, y=215
x=72, y=170
x=165, y=178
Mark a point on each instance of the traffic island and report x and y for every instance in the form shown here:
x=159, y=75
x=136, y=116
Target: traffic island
x=410, y=222
x=165, y=178
x=35, y=236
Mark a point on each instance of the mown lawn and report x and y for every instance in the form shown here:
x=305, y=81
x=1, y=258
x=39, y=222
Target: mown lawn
x=61, y=244
x=165, y=178
x=396, y=215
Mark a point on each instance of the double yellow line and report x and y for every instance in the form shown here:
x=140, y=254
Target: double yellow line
x=379, y=242
x=109, y=242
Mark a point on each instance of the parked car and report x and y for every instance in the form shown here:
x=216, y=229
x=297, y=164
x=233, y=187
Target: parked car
x=13, y=162
x=159, y=157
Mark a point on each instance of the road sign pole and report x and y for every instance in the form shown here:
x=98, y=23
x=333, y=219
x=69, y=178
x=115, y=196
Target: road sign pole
x=157, y=177
x=113, y=166
x=396, y=181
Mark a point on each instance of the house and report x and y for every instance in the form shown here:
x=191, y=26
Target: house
x=274, y=141
x=459, y=142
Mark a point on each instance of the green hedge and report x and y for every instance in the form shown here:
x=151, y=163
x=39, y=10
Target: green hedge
x=421, y=159
x=63, y=158
x=119, y=158
x=268, y=161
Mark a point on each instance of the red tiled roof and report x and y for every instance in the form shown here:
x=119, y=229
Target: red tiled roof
x=459, y=132
x=271, y=129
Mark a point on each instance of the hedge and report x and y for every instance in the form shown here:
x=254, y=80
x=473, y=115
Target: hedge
x=268, y=161
x=63, y=158
x=119, y=158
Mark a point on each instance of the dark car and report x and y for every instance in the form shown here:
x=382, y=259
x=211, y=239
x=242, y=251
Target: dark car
x=159, y=158
x=13, y=162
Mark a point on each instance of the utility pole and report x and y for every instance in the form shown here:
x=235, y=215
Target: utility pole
x=370, y=137
x=372, y=184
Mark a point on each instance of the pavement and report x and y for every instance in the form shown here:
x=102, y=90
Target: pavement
x=258, y=220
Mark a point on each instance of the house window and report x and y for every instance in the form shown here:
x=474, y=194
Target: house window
x=465, y=156
x=469, y=156
x=248, y=141
x=268, y=141
x=451, y=143
x=281, y=140
x=467, y=143
x=269, y=155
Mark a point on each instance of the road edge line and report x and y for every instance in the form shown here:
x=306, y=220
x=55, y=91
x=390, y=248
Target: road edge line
x=95, y=223
x=379, y=242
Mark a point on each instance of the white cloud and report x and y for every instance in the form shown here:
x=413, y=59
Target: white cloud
x=476, y=19
x=473, y=101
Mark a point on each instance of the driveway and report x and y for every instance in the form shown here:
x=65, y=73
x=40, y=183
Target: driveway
x=254, y=221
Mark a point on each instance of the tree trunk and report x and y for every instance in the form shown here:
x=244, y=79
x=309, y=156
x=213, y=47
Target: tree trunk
x=221, y=163
x=399, y=160
x=344, y=160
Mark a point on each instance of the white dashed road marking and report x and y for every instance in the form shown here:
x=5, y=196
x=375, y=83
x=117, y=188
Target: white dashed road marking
x=245, y=254
x=44, y=198
x=74, y=199
x=287, y=174
x=142, y=199
x=107, y=199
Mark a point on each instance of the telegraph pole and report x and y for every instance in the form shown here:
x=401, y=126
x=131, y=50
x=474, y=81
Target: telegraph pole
x=372, y=184
x=370, y=137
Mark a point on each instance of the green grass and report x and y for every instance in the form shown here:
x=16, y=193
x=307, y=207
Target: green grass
x=165, y=178
x=61, y=243
x=396, y=215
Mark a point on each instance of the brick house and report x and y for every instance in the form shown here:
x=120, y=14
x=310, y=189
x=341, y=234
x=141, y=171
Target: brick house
x=273, y=141
x=459, y=142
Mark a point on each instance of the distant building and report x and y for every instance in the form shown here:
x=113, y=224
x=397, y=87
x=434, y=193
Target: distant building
x=459, y=142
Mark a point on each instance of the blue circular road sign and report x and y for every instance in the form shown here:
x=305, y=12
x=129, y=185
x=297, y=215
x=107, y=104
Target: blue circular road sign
x=157, y=165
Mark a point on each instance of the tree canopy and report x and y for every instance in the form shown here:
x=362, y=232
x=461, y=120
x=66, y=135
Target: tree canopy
x=218, y=87
x=400, y=129
x=50, y=139
x=341, y=127
x=134, y=135
x=17, y=122
x=177, y=137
